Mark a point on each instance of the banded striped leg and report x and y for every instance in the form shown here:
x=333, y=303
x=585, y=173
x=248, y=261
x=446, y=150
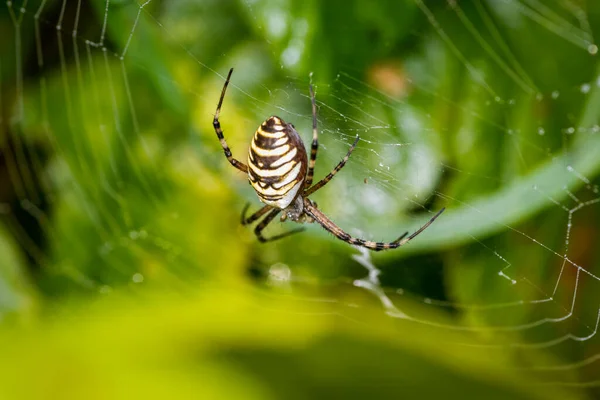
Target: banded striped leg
x=315, y=142
x=255, y=216
x=217, y=125
x=377, y=246
x=337, y=168
x=263, y=224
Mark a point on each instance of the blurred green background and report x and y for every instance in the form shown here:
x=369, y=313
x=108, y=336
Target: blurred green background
x=124, y=271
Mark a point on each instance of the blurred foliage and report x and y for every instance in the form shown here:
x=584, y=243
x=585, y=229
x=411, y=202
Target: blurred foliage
x=124, y=271
x=164, y=345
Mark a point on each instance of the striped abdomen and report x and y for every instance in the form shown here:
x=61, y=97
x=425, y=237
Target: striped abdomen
x=277, y=162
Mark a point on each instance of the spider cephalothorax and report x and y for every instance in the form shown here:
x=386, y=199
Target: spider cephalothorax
x=281, y=173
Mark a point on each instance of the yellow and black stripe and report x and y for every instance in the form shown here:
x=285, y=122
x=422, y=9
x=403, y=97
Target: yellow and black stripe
x=277, y=163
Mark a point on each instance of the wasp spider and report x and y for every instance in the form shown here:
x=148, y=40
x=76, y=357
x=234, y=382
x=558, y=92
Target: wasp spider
x=282, y=175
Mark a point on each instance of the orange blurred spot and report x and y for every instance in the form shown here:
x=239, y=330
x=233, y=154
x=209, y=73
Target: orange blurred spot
x=389, y=78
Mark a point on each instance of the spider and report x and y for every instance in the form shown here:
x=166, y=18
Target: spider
x=281, y=174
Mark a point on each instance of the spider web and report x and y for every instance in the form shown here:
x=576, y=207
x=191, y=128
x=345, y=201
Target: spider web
x=87, y=138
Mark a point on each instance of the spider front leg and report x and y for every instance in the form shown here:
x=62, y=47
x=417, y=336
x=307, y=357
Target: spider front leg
x=263, y=224
x=331, y=227
x=330, y=176
x=217, y=125
x=255, y=216
x=315, y=142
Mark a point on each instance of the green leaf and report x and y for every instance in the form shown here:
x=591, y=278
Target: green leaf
x=236, y=342
x=520, y=199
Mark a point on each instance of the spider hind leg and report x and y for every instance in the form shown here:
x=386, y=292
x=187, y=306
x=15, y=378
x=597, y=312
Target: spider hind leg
x=219, y=131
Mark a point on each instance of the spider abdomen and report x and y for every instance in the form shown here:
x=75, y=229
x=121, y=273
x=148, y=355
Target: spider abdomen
x=277, y=163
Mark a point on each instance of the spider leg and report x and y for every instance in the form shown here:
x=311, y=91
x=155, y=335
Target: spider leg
x=337, y=168
x=217, y=125
x=331, y=227
x=255, y=216
x=315, y=142
x=263, y=224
